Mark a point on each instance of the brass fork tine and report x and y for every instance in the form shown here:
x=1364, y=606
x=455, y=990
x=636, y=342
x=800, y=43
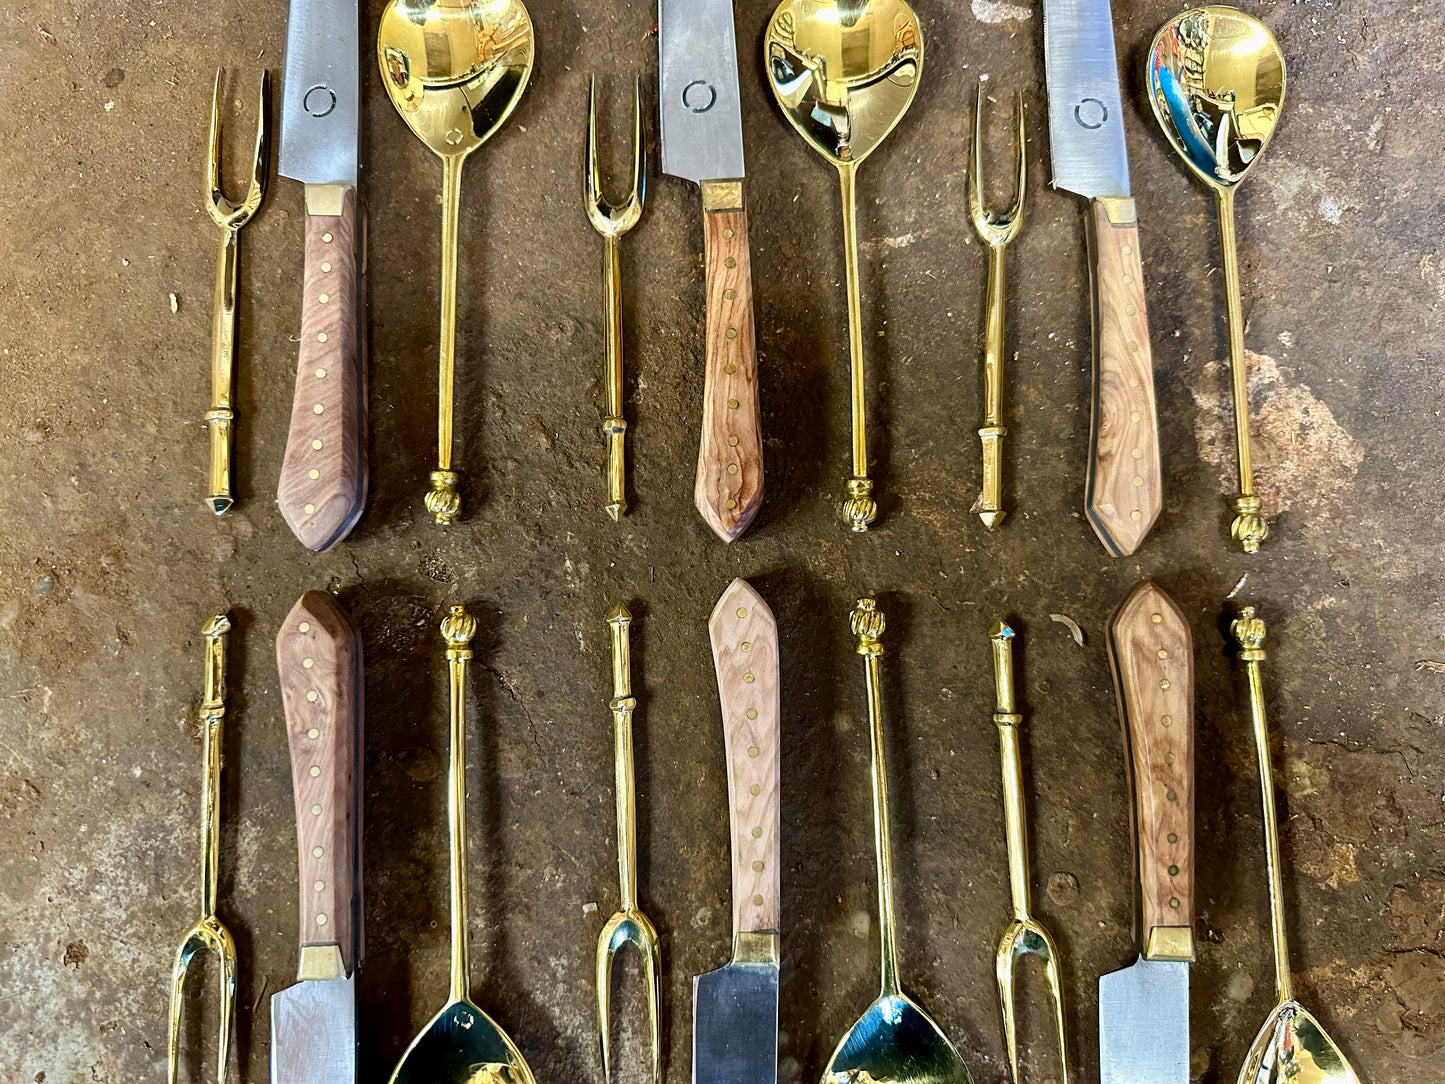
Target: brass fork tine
x=996, y=231
x=629, y=925
x=208, y=934
x=1023, y=936
x=230, y=217
x=612, y=222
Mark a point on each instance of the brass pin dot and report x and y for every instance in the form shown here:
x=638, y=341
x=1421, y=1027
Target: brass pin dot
x=316, y=811
x=309, y=509
x=321, y=336
x=313, y=733
x=316, y=445
x=313, y=474
x=315, y=771
x=319, y=886
x=321, y=920
x=320, y=374
x=318, y=852
x=757, y=867
x=757, y=901
x=754, y=790
x=308, y=662
x=305, y=626
x=326, y=237
x=753, y=751
x=752, y=713
x=757, y=833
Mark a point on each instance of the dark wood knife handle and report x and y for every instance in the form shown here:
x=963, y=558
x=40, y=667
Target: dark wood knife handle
x=1151, y=653
x=318, y=655
x=744, y=638
x=729, y=487
x=323, y=485
x=1124, y=487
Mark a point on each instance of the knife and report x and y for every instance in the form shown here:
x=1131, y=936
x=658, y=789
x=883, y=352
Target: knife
x=702, y=141
x=313, y=1023
x=735, y=1008
x=1123, y=488
x=323, y=475
x=1144, y=1009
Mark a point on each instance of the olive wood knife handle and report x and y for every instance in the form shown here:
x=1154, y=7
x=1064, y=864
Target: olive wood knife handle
x=318, y=654
x=323, y=476
x=744, y=638
x=729, y=486
x=1124, y=486
x=1151, y=654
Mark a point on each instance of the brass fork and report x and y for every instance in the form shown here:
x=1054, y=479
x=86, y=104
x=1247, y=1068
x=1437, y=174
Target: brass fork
x=230, y=217
x=208, y=935
x=629, y=925
x=612, y=221
x=996, y=231
x=1024, y=936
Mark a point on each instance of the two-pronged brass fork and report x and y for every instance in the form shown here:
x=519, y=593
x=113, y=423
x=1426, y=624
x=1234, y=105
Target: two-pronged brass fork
x=230, y=217
x=996, y=231
x=1024, y=936
x=612, y=221
x=208, y=934
x=629, y=925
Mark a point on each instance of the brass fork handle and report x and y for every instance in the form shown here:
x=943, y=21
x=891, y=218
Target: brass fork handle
x=230, y=217
x=622, y=706
x=1008, y=722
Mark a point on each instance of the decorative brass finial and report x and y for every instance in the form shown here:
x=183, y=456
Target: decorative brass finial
x=860, y=509
x=218, y=624
x=442, y=500
x=1249, y=528
x=868, y=624
x=458, y=628
x=1248, y=631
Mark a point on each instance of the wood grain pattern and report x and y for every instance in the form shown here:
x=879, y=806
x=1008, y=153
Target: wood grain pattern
x=1151, y=653
x=318, y=655
x=323, y=477
x=1124, y=487
x=729, y=487
x=745, y=654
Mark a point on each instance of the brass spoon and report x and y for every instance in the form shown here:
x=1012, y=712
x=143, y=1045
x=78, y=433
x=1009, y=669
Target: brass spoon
x=844, y=73
x=461, y=1044
x=454, y=69
x=1216, y=82
x=1292, y=1047
x=895, y=1041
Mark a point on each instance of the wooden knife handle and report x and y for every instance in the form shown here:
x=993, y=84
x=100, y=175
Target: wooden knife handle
x=318, y=654
x=745, y=653
x=1124, y=487
x=729, y=486
x=1152, y=657
x=323, y=476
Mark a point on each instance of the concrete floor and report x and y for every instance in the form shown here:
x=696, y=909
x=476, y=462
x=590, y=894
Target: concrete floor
x=108, y=563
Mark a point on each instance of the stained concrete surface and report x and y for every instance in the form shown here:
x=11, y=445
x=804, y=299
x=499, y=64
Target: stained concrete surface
x=109, y=564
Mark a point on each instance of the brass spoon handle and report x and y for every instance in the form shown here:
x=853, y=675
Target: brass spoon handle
x=213, y=709
x=868, y=624
x=622, y=705
x=1248, y=528
x=1008, y=722
x=1249, y=632
x=442, y=499
x=458, y=628
x=860, y=510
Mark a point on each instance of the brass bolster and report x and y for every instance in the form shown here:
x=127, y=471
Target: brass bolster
x=1121, y=210
x=722, y=195
x=321, y=962
x=1170, y=943
x=756, y=947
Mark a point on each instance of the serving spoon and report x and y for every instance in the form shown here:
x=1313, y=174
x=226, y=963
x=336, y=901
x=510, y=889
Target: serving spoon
x=895, y=1041
x=454, y=69
x=844, y=73
x=1216, y=82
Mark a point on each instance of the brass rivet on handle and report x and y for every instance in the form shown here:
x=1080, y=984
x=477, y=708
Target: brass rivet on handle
x=730, y=293
x=323, y=298
x=319, y=408
x=1135, y=416
x=748, y=678
x=313, y=474
x=1156, y=618
x=1174, y=871
x=732, y=404
x=732, y=442
x=317, y=852
x=1136, y=515
x=315, y=770
x=309, y=509
x=321, y=336
x=1164, y=684
x=752, y=713
x=305, y=626
x=326, y=237
x=1167, y=720
x=754, y=790
x=732, y=333
x=757, y=867
x=308, y=662
x=1137, y=453
x=320, y=886
x=757, y=901
x=752, y=751
x=747, y=645
x=313, y=733
x=1174, y=902
x=742, y=611
x=321, y=920
x=732, y=503
x=326, y=267
x=730, y=262
x=728, y=232
x=316, y=445
x=1163, y=654
x=757, y=833
x=316, y=811
x=730, y=369
x=311, y=696
x=1171, y=794
x=1173, y=837
x=320, y=374
x=732, y=468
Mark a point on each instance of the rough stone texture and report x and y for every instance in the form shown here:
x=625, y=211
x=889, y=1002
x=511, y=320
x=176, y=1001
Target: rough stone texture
x=109, y=564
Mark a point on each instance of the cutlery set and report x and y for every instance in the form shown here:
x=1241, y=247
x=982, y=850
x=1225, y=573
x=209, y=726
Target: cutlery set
x=843, y=73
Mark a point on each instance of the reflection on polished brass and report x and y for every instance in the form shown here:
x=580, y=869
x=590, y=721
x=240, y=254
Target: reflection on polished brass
x=1216, y=81
x=612, y=222
x=1024, y=936
x=208, y=934
x=230, y=217
x=995, y=231
x=461, y=1044
x=1291, y=1047
x=895, y=1040
x=629, y=925
x=455, y=70
x=844, y=73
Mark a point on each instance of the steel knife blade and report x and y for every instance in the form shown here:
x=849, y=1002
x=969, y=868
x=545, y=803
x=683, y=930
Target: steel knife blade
x=735, y=1008
x=698, y=98
x=313, y=1023
x=321, y=93
x=1123, y=489
x=702, y=141
x=1144, y=1009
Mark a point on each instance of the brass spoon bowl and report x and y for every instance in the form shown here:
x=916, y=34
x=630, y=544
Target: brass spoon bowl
x=1216, y=82
x=455, y=70
x=844, y=73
